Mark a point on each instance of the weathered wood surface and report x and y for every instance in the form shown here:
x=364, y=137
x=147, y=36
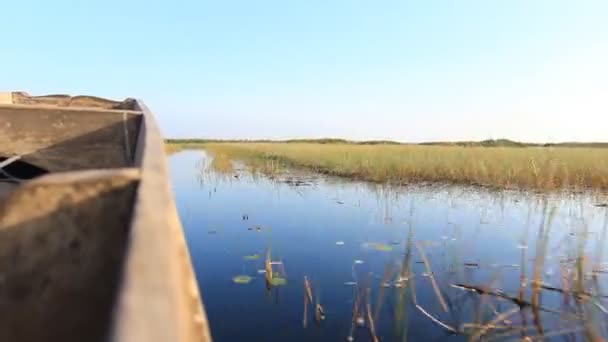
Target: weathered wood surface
x=61, y=100
x=167, y=288
x=66, y=140
x=62, y=244
x=148, y=292
x=6, y=189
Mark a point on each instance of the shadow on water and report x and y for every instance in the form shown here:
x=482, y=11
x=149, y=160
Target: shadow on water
x=373, y=262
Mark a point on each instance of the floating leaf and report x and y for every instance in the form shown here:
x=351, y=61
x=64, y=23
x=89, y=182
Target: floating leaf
x=252, y=257
x=242, y=279
x=377, y=246
x=278, y=281
x=383, y=248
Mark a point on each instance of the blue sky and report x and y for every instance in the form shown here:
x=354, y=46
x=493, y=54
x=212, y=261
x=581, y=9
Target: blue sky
x=404, y=70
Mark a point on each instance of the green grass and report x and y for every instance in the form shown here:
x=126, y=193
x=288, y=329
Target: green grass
x=544, y=168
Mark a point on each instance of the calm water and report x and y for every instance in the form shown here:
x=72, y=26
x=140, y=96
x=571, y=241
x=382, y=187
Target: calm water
x=338, y=232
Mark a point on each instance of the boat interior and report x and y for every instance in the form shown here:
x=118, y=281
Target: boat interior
x=69, y=170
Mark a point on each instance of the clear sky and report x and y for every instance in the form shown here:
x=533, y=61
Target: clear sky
x=404, y=70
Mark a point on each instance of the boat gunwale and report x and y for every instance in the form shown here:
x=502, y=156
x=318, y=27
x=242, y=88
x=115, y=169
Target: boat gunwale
x=158, y=297
x=45, y=107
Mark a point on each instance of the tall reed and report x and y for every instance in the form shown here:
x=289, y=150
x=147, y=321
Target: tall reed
x=543, y=168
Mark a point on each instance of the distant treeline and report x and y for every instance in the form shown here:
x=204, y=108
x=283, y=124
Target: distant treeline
x=483, y=143
x=511, y=143
x=288, y=141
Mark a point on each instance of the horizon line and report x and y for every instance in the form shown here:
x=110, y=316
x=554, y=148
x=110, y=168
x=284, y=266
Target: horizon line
x=389, y=141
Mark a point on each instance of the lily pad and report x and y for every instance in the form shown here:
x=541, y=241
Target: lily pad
x=383, y=247
x=242, y=279
x=377, y=246
x=252, y=257
x=278, y=281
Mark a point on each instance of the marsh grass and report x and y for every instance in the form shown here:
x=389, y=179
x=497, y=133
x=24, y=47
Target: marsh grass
x=540, y=168
x=221, y=162
x=174, y=146
x=571, y=306
x=470, y=306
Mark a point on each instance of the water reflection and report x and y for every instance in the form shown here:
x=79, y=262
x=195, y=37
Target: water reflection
x=415, y=262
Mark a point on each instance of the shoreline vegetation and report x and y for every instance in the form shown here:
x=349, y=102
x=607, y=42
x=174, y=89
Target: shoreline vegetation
x=502, y=163
x=482, y=143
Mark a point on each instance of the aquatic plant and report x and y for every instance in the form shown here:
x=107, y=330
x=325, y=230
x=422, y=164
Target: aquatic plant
x=278, y=280
x=274, y=278
x=242, y=279
x=383, y=247
x=503, y=167
x=252, y=257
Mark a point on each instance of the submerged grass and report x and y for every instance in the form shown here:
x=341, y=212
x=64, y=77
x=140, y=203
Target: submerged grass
x=541, y=168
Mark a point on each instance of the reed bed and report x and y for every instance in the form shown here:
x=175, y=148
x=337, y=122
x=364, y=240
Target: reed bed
x=526, y=314
x=539, y=168
x=460, y=292
x=174, y=147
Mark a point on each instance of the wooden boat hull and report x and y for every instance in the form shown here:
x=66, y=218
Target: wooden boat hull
x=91, y=247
